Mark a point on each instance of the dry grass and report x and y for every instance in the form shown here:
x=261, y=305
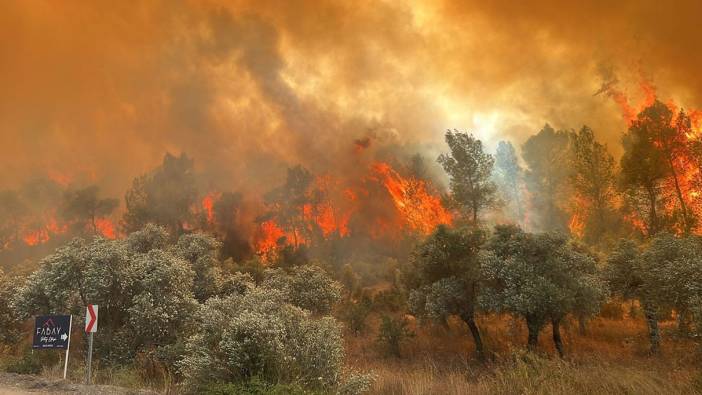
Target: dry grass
x=612, y=358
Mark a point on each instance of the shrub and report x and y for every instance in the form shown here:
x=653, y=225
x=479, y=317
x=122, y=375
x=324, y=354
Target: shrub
x=356, y=313
x=259, y=334
x=307, y=287
x=393, y=332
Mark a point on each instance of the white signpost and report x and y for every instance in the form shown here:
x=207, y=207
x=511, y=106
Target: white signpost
x=91, y=323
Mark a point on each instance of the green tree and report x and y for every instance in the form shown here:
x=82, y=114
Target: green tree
x=163, y=196
x=83, y=207
x=469, y=169
x=539, y=277
x=134, y=281
x=547, y=157
x=593, y=180
x=444, y=278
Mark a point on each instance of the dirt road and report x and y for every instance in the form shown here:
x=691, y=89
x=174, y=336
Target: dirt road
x=20, y=384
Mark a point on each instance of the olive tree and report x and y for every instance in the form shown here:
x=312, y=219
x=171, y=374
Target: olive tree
x=134, y=281
x=539, y=277
x=444, y=278
x=664, y=275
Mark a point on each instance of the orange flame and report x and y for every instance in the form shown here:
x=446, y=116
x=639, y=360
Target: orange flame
x=420, y=210
x=106, y=228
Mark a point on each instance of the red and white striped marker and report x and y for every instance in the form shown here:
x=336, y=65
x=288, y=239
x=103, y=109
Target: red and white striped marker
x=91, y=318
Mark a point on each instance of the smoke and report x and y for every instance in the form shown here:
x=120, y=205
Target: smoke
x=97, y=92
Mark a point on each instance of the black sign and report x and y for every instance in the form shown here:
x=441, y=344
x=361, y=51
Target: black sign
x=52, y=331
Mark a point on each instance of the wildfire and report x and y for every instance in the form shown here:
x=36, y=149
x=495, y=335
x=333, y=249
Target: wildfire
x=268, y=236
x=420, y=210
x=44, y=232
x=106, y=228
x=208, y=205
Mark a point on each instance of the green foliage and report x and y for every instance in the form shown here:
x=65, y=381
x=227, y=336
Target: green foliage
x=307, y=287
x=10, y=324
x=444, y=277
x=392, y=333
x=200, y=250
x=28, y=363
x=134, y=281
x=469, y=169
x=260, y=334
x=539, y=277
x=356, y=313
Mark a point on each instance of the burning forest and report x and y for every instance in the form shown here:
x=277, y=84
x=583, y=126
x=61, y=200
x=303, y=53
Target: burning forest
x=384, y=197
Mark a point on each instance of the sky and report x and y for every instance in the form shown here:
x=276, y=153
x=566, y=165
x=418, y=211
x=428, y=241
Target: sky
x=98, y=91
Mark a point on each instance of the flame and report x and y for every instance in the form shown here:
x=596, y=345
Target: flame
x=106, y=228
x=420, y=210
x=208, y=205
x=268, y=236
x=43, y=233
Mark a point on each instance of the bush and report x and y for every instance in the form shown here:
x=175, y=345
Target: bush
x=392, y=300
x=393, y=332
x=259, y=334
x=26, y=364
x=356, y=313
x=307, y=287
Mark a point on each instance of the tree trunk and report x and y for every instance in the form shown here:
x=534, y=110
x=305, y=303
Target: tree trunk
x=653, y=216
x=678, y=192
x=653, y=331
x=470, y=321
x=534, y=327
x=556, y=324
x=582, y=325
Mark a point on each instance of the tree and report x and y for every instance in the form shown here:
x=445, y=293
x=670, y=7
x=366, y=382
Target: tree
x=664, y=275
x=84, y=207
x=469, y=169
x=444, y=278
x=509, y=175
x=654, y=146
x=629, y=276
x=546, y=155
x=287, y=202
x=593, y=181
x=163, y=196
x=539, y=277
x=134, y=281
x=200, y=251
x=228, y=219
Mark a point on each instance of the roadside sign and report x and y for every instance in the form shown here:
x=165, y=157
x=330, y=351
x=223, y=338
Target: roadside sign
x=52, y=332
x=91, y=318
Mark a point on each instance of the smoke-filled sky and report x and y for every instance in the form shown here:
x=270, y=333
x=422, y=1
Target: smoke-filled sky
x=98, y=91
